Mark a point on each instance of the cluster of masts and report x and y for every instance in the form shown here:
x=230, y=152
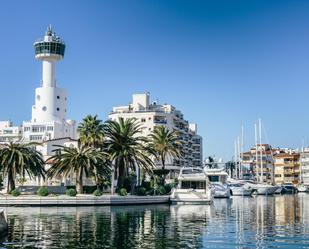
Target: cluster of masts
x=239, y=149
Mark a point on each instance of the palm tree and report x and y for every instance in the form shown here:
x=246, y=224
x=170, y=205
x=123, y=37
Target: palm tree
x=165, y=143
x=80, y=161
x=91, y=131
x=20, y=159
x=127, y=148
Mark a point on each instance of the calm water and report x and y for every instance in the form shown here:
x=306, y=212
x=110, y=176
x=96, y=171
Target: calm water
x=259, y=222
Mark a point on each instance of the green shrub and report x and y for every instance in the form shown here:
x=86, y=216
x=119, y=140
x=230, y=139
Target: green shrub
x=71, y=192
x=97, y=192
x=122, y=192
x=15, y=192
x=174, y=184
x=150, y=192
x=42, y=191
x=89, y=189
x=140, y=191
x=167, y=188
x=161, y=190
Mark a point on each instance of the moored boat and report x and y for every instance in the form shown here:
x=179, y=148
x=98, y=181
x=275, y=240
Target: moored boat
x=218, y=180
x=240, y=189
x=262, y=188
x=289, y=189
x=193, y=187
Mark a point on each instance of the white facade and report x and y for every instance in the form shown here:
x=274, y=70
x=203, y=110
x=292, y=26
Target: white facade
x=9, y=133
x=154, y=114
x=50, y=109
x=304, y=162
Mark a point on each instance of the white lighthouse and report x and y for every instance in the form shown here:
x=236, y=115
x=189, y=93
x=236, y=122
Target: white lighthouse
x=50, y=109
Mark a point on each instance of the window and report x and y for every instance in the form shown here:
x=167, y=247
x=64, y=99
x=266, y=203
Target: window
x=44, y=108
x=143, y=120
x=213, y=178
x=35, y=129
x=27, y=128
x=193, y=185
x=58, y=97
x=38, y=97
x=58, y=109
x=35, y=138
x=50, y=128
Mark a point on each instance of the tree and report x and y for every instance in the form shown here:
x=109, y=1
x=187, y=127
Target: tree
x=165, y=143
x=20, y=159
x=80, y=161
x=91, y=131
x=230, y=167
x=127, y=148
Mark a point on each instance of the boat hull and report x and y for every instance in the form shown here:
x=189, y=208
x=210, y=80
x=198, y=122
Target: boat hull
x=240, y=191
x=265, y=190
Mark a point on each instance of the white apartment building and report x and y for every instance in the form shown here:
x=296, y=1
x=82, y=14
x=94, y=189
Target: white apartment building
x=154, y=114
x=304, y=169
x=9, y=133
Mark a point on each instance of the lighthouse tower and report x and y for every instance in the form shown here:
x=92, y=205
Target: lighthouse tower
x=50, y=109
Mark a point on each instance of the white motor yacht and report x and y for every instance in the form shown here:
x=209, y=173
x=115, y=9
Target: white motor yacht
x=193, y=187
x=240, y=189
x=218, y=180
x=262, y=188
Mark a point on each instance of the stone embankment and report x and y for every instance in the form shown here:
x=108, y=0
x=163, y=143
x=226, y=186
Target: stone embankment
x=81, y=200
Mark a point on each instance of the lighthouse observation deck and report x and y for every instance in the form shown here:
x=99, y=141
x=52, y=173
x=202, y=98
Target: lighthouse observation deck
x=49, y=48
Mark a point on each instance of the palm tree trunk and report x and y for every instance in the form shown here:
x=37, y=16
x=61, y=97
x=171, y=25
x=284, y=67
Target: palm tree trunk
x=79, y=181
x=163, y=168
x=121, y=176
x=11, y=182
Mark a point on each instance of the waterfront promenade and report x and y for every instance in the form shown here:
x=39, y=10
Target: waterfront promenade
x=81, y=200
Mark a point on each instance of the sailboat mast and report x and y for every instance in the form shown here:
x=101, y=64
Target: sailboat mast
x=256, y=152
x=261, y=151
x=238, y=148
x=241, y=151
x=235, y=156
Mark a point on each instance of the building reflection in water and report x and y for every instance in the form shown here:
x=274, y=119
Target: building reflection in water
x=258, y=222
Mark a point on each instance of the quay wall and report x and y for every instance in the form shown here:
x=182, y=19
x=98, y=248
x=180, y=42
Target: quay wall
x=81, y=200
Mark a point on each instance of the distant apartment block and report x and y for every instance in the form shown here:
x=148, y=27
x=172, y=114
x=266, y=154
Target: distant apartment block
x=9, y=133
x=154, y=114
x=259, y=162
x=304, y=167
x=287, y=167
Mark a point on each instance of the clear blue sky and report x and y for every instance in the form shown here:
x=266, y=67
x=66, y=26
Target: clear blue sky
x=223, y=63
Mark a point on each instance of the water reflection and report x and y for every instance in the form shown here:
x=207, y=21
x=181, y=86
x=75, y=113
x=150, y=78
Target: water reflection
x=260, y=222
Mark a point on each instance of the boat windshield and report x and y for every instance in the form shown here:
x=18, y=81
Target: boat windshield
x=191, y=171
x=193, y=184
x=213, y=178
